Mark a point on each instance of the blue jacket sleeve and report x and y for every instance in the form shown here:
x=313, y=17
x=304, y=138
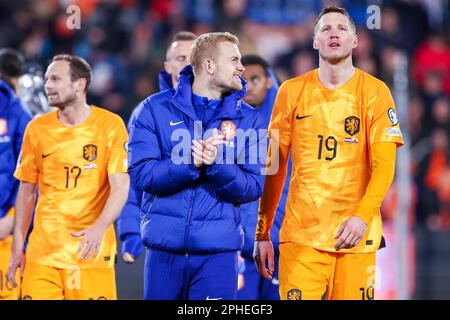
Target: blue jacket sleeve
x=242, y=182
x=22, y=118
x=249, y=218
x=146, y=166
x=134, y=116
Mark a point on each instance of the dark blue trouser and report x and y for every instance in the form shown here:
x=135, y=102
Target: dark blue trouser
x=256, y=287
x=177, y=276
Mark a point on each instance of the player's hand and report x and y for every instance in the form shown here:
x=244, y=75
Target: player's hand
x=241, y=270
x=132, y=247
x=210, y=147
x=17, y=261
x=197, y=153
x=92, y=241
x=350, y=233
x=241, y=281
x=263, y=255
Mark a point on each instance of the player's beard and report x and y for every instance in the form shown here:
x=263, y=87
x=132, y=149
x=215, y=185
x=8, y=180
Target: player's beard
x=334, y=59
x=63, y=103
x=231, y=85
x=227, y=85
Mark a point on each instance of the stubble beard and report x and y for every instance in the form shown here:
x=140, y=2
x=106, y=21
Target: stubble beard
x=225, y=87
x=61, y=105
x=334, y=60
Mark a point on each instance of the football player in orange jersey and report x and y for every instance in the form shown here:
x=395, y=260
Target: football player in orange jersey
x=340, y=125
x=76, y=156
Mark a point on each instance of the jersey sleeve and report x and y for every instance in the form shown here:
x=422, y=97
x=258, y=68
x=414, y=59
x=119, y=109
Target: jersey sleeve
x=385, y=126
x=118, y=154
x=383, y=169
x=280, y=122
x=27, y=169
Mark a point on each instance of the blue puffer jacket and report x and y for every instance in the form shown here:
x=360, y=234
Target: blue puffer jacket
x=13, y=120
x=165, y=81
x=128, y=220
x=185, y=209
x=249, y=211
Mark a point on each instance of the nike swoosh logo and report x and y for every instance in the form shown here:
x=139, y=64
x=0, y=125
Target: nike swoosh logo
x=175, y=123
x=46, y=155
x=303, y=117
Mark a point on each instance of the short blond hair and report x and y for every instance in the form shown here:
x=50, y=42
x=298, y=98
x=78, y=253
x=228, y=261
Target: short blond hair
x=205, y=46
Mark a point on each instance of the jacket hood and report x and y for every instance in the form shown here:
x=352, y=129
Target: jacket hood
x=164, y=80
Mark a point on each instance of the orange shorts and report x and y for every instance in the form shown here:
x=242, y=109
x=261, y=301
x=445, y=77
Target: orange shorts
x=309, y=274
x=6, y=291
x=42, y=282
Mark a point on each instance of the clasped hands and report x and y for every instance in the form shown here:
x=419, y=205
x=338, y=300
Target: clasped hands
x=204, y=152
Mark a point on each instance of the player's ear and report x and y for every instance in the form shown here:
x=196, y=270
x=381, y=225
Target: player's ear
x=315, y=43
x=167, y=67
x=80, y=85
x=210, y=66
x=355, y=41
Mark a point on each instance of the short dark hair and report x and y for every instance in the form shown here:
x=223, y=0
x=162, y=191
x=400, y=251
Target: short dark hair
x=79, y=68
x=330, y=9
x=11, y=62
x=255, y=59
x=184, y=36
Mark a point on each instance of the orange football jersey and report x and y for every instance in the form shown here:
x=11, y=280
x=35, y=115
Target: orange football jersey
x=71, y=166
x=329, y=133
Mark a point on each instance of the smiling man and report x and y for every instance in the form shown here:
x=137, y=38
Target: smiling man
x=75, y=159
x=190, y=220
x=128, y=230
x=340, y=126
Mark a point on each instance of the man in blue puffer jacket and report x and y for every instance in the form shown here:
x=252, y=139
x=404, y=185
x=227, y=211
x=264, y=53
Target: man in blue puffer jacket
x=194, y=179
x=261, y=94
x=13, y=120
x=177, y=57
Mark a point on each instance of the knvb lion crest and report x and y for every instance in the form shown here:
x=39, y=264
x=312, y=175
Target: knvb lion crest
x=294, y=294
x=351, y=125
x=90, y=152
x=228, y=129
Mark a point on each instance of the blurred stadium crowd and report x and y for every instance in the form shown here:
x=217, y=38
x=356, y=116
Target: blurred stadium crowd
x=125, y=43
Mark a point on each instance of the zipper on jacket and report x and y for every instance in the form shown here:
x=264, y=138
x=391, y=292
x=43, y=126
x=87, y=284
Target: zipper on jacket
x=188, y=218
x=186, y=276
x=188, y=223
x=186, y=253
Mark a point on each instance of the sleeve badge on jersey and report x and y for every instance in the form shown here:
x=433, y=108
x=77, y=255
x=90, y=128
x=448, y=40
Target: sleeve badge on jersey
x=392, y=115
x=3, y=127
x=90, y=152
x=228, y=129
x=393, y=132
x=351, y=125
